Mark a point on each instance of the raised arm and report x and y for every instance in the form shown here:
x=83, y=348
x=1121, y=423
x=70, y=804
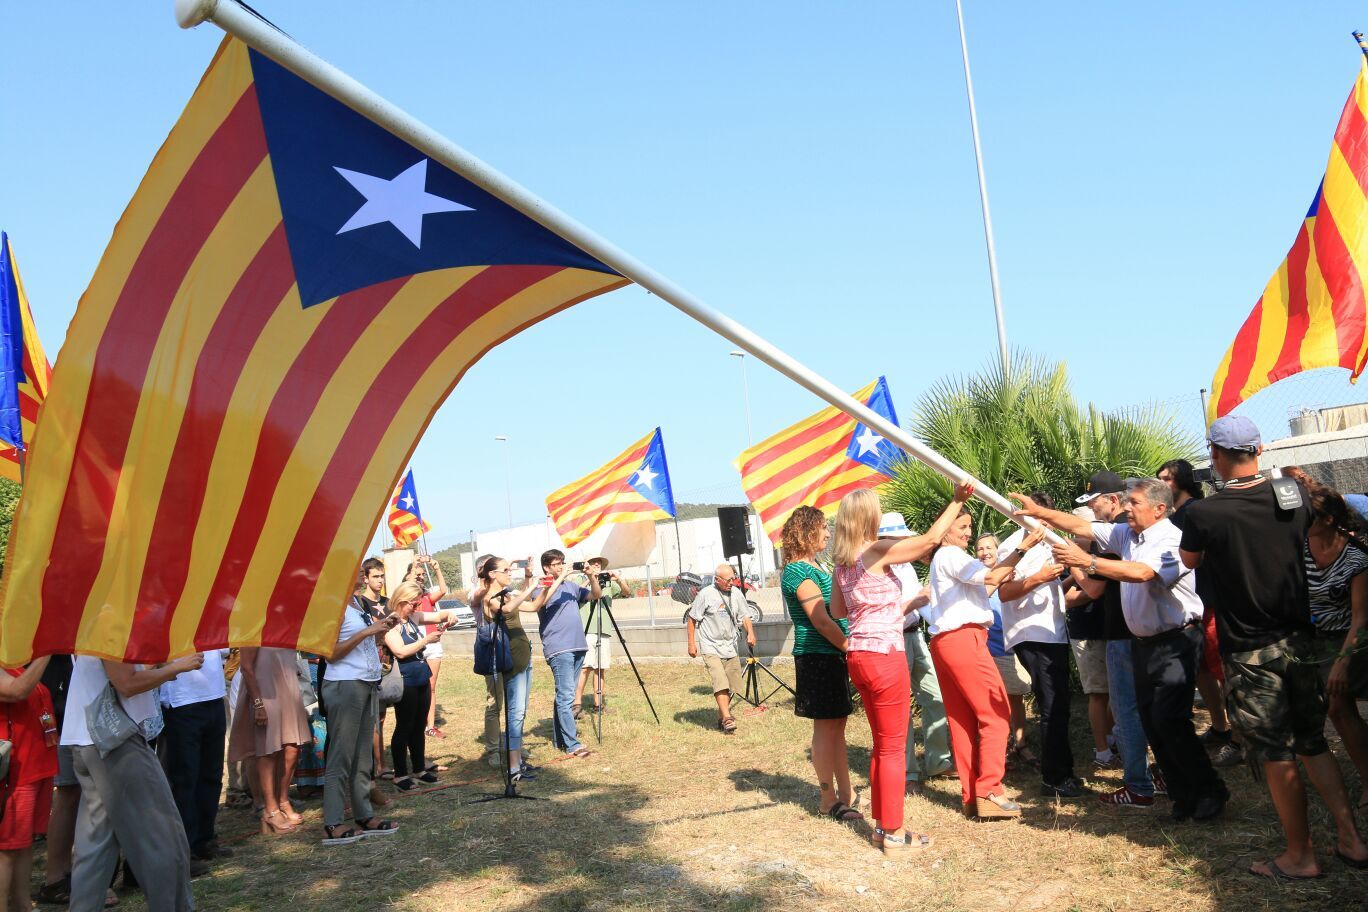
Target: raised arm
x=17, y=690
x=1059, y=519
x=918, y=548
x=402, y=650
x=130, y=681
x=344, y=647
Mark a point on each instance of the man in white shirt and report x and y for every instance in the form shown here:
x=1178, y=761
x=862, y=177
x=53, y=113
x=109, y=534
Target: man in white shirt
x=191, y=746
x=126, y=803
x=925, y=687
x=1161, y=607
x=1035, y=630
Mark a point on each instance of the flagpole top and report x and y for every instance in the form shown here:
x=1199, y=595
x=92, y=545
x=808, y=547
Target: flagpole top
x=190, y=13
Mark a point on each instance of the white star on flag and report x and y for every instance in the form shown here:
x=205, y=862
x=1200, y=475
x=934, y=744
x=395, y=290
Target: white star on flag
x=645, y=476
x=402, y=201
x=868, y=441
x=408, y=503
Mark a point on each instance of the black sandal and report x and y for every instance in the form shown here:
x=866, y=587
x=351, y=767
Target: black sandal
x=843, y=813
x=381, y=828
x=347, y=837
x=428, y=776
x=405, y=784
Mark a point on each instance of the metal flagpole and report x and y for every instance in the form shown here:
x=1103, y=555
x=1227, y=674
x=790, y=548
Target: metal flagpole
x=266, y=38
x=983, y=196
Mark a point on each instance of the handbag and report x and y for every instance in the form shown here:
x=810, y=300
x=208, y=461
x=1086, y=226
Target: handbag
x=492, y=652
x=307, y=694
x=108, y=722
x=391, y=685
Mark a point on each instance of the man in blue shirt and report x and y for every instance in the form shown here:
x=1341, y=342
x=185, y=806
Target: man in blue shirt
x=557, y=602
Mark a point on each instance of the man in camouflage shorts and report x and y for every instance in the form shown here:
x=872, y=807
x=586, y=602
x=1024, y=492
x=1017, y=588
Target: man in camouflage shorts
x=1247, y=541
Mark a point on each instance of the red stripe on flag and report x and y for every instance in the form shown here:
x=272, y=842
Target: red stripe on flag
x=1351, y=135
x=788, y=445
x=236, y=331
x=789, y=473
x=1298, y=312
x=211, y=184
x=592, y=518
x=785, y=506
x=586, y=494
x=1346, y=288
x=1242, y=354
x=289, y=411
x=314, y=539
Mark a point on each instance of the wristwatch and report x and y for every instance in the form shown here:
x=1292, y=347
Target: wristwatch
x=1021, y=552
x=1092, y=566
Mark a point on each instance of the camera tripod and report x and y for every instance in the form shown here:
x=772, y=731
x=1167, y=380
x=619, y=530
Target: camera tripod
x=750, y=675
x=599, y=608
x=510, y=789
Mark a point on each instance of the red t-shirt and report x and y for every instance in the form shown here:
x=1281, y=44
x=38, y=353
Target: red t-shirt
x=31, y=760
x=425, y=604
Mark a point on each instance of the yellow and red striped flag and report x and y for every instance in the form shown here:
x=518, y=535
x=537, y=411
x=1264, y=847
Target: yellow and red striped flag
x=818, y=461
x=1312, y=312
x=24, y=368
x=288, y=298
x=406, y=521
x=633, y=486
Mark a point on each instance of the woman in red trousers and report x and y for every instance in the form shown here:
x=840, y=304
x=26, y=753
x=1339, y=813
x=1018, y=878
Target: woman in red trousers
x=870, y=596
x=976, y=704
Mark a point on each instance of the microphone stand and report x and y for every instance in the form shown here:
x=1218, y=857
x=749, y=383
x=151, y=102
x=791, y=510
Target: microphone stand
x=510, y=787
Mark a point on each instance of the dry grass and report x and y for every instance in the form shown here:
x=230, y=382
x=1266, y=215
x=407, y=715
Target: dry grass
x=677, y=816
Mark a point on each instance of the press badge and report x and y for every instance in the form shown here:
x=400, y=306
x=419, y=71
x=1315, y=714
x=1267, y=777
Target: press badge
x=1287, y=493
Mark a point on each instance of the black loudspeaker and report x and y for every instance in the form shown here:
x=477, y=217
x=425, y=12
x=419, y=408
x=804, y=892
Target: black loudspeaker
x=735, y=524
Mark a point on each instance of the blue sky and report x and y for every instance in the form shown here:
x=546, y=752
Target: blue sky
x=805, y=168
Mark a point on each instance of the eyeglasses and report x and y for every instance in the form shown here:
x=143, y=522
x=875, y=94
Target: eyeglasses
x=499, y=570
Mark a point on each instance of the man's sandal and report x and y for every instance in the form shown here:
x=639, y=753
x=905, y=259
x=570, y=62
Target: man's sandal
x=1276, y=873
x=728, y=725
x=347, y=836
x=373, y=826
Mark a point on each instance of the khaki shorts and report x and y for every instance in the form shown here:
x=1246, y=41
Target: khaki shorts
x=725, y=673
x=592, y=658
x=1091, y=658
x=1013, y=675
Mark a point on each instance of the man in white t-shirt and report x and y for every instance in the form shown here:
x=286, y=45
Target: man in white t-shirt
x=1035, y=630
x=191, y=746
x=126, y=803
x=925, y=687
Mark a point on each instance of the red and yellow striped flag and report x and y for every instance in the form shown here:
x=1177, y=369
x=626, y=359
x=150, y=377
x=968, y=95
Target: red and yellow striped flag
x=1312, y=312
x=633, y=486
x=288, y=298
x=25, y=367
x=818, y=461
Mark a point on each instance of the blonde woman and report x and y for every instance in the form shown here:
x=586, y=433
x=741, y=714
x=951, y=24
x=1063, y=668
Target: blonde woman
x=406, y=641
x=869, y=595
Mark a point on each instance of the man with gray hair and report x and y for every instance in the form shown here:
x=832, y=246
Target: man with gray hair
x=1161, y=607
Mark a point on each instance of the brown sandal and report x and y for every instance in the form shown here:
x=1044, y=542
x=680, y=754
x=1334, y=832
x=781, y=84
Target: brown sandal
x=270, y=828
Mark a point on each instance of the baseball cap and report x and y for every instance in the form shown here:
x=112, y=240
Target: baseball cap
x=1235, y=432
x=1099, y=484
x=892, y=525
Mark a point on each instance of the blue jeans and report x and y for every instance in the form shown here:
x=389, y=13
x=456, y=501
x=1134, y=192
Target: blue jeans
x=1130, y=734
x=516, y=689
x=565, y=669
x=926, y=690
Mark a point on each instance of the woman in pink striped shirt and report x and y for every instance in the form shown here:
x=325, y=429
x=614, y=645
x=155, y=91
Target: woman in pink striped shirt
x=867, y=592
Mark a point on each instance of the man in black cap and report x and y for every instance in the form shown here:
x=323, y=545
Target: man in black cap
x=1248, y=539
x=1106, y=496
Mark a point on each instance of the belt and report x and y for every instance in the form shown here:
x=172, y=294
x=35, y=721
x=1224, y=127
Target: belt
x=1171, y=632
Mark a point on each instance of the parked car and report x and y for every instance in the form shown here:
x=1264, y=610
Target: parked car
x=464, y=616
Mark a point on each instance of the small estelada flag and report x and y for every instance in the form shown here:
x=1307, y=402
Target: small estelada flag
x=405, y=518
x=818, y=461
x=24, y=368
x=633, y=486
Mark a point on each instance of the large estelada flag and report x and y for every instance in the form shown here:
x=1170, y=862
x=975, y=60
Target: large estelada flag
x=406, y=521
x=818, y=461
x=24, y=368
x=1312, y=312
x=633, y=486
x=284, y=304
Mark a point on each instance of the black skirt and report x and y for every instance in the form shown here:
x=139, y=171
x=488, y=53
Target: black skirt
x=823, y=686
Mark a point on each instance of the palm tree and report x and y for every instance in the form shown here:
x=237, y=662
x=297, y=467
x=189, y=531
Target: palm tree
x=1023, y=431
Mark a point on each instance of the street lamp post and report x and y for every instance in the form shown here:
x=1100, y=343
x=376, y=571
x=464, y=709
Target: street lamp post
x=745, y=387
x=750, y=442
x=508, y=479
